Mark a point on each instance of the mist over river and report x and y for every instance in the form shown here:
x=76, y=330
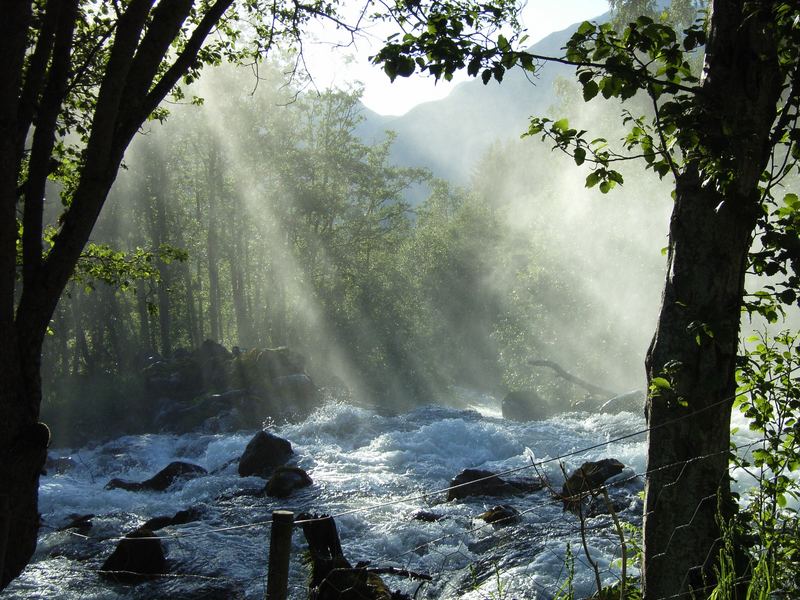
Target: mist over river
x=371, y=471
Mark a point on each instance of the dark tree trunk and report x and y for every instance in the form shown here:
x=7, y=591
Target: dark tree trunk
x=696, y=339
x=688, y=457
x=131, y=82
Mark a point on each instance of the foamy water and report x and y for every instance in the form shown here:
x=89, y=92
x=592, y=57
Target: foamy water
x=376, y=470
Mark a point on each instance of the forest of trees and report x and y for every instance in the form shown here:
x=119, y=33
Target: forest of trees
x=263, y=220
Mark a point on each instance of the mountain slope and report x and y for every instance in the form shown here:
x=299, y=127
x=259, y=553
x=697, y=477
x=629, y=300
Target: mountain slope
x=450, y=135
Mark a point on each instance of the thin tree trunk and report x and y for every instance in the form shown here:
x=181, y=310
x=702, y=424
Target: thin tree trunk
x=214, y=313
x=145, y=331
x=237, y=257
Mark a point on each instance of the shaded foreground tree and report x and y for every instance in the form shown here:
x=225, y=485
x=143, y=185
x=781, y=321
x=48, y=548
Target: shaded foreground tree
x=728, y=138
x=79, y=79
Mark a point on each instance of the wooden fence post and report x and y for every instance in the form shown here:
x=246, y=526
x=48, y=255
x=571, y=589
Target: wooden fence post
x=280, y=549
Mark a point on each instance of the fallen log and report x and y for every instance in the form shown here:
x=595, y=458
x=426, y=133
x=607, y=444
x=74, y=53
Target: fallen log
x=589, y=387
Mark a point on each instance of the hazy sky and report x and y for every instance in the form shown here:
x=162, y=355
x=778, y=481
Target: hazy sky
x=330, y=65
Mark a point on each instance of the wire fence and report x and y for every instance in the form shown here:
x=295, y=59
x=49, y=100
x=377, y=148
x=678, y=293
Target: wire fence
x=456, y=561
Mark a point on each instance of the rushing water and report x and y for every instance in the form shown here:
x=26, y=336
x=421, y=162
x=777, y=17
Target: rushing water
x=374, y=468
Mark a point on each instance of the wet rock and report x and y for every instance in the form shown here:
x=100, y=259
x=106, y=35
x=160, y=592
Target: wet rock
x=181, y=517
x=214, y=359
x=136, y=556
x=629, y=402
x=161, y=480
x=502, y=514
x=214, y=412
x=587, y=478
x=354, y=584
x=286, y=480
x=426, y=516
x=526, y=405
x=263, y=454
x=80, y=523
x=475, y=482
x=297, y=393
x=59, y=465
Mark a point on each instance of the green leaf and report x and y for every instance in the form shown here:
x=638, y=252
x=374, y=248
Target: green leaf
x=660, y=383
x=579, y=156
x=585, y=28
x=561, y=125
x=590, y=90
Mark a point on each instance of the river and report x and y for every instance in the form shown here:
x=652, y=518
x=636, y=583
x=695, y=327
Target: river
x=374, y=472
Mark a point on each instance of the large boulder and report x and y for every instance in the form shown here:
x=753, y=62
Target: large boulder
x=296, y=393
x=476, y=482
x=207, y=412
x=587, y=478
x=526, y=405
x=213, y=359
x=286, y=480
x=260, y=367
x=263, y=454
x=162, y=480
x=629, y=402
x=179, y=378
x=136, y=556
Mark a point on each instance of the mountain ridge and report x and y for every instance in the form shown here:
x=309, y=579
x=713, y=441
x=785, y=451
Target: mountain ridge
x=450, y=135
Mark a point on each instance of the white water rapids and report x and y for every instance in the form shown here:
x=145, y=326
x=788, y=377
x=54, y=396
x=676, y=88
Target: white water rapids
x=358, y=459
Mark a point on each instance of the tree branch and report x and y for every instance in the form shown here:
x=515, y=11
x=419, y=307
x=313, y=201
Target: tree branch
x=167, y=19
x=181, y=65
x=612, y=68
x=34, y=77
x=44, y=140
x=14, y=29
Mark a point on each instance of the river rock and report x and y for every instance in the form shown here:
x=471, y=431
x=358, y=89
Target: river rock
x=161, y=480
x=79, y=523
x=630, y=402
x=263, y=454
x=502, y=514
x=426, y=516
x=181, y=517
x=586, y=478
x=58, y=465
x=136, y=555
x=475, y=482
x=285, y=480
x=526, y=405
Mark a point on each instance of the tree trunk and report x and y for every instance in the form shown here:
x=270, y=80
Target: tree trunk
x=696, y=340
x=688, y=456
x=145, y=331
x=213, y=175
x=237, y=257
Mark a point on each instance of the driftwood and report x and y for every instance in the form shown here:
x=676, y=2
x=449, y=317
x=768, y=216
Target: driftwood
x=589, y=387
x=332, y=575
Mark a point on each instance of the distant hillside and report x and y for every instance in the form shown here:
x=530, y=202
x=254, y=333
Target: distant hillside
x=449, y=135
